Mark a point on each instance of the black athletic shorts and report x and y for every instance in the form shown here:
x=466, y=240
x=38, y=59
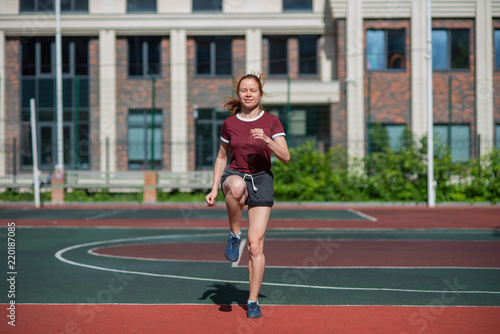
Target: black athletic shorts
x=260, y=187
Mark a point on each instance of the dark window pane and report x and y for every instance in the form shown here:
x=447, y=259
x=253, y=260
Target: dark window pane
x=74, y=6
x=154, y=56
x=207, y=5
x=440, y=60
x=46, y=93
x=278, y=63
x=203, y=56
x=68, y=93
x=82, y=56
x=308, y=62
x=204, y=114
x=459, y=49
x=297, y=5
x=28, y=92
x=65, y=5
x=45, y=145
x=45, y=6
x=83, y=98
x=65, y=55
x=28, y=54
x=83, y=147
x=46, y=56
x=27, y=6
x=81, y=5
x=395, y=48
x=223, y=53
x=141, y=6
x=135, y=56
x=497, y=49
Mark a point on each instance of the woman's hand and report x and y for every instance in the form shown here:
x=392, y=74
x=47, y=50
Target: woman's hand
x=259, y=134
x=210, y=198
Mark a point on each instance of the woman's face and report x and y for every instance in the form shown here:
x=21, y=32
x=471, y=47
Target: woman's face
x=249, y=94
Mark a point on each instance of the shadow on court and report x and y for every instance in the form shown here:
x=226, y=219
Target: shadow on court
x=224, y=295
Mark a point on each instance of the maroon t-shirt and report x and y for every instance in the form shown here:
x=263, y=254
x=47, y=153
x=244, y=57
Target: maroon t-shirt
x=250, y=155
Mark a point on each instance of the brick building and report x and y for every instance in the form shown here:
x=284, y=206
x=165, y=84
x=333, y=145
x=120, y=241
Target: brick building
x=143, y=81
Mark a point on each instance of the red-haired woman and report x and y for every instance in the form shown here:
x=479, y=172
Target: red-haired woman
x=251, y=135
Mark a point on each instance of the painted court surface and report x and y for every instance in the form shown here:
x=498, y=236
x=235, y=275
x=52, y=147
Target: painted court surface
x=138, y=269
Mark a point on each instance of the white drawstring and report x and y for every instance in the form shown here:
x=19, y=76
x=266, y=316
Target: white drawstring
x=251, y=178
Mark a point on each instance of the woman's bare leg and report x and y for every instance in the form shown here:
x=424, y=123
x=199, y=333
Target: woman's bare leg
x=258, y=217
x=235, y=190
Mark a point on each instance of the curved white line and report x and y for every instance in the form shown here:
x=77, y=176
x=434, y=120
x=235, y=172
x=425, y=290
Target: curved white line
x=59, y=256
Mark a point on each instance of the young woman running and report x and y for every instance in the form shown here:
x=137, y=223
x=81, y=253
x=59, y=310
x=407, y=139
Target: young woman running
x=251, y=135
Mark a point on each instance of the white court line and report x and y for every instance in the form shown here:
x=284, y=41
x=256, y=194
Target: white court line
x=59, y=256
x=359, y=213
x=105, y=214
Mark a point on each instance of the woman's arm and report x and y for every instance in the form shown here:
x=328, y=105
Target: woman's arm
x=219, y=167
x=277, y=145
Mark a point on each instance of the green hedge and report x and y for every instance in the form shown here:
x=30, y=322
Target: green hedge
x=385, y=175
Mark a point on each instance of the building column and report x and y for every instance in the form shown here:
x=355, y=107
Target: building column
x=419, y=75
x=107, y=99
x=253, y=51
x=2, y=105
x=178, y=101
x=327, y=55
x=355, y=80
x=484, y=76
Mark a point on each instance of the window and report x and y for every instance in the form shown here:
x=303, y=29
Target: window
x=207, y=5
x=144, y=56
x=67, y=6
x=458, y=143
x=386, y=136
x=141, y=6
x=144, y=139
x=308, y=58
x=38, y=81
x=305, y=122
x=385, y=49
x=39, y=56
x=297, y=5
x=214, y=56
x=208, y=128
x=497, y=49
x=450, y=49
x=278, y=55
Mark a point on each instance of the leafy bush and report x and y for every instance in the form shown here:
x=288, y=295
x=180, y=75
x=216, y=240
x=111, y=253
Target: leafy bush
x=100, y=195
x=16, y=195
